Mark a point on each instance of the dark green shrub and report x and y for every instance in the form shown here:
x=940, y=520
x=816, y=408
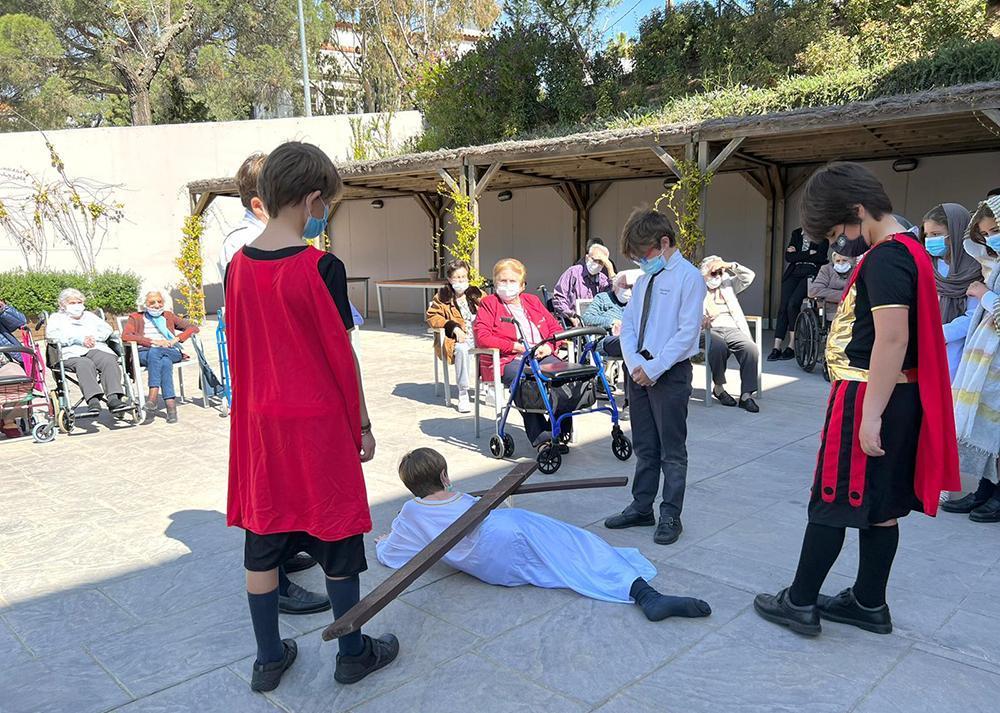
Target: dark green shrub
x=113, y=291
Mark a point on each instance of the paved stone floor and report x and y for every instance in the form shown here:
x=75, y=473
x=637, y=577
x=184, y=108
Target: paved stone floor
x=121, y=587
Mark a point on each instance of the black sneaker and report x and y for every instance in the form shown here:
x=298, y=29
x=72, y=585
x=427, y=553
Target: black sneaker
x=724, y=398
x=845, y=609
x=629, y=519
x=378, y=653
x=787, y=354
x=267, y=676
x=775, y=355
x=778, y=609
x=988, y=511
x=668, y=531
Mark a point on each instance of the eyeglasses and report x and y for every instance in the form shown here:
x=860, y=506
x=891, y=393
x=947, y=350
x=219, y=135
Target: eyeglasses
x=716, y=273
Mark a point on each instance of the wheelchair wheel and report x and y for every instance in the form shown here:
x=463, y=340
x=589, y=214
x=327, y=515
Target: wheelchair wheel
x=43, y=432
x=806, y=340
x=621, y=446
x=549, y=459
x=65, y=421
x=508, y=445
x=496, y=446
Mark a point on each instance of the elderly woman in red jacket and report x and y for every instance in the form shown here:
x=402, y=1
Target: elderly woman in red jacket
x=536, y=323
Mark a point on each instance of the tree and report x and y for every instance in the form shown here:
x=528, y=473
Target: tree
x=573, y=20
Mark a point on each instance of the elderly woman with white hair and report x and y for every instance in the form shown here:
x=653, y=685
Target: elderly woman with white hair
x=83, y=337
x=155, y=329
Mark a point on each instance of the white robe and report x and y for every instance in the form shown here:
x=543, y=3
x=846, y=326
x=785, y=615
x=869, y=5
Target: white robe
x=512, y=547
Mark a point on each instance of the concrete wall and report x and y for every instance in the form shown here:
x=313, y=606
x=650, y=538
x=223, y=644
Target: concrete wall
x=153, y=164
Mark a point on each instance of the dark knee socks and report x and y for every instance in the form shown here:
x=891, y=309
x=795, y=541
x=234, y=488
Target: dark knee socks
x=264, y=615
x=344, y=594
x=877, y=551
x=657, y=606
x=820, y=548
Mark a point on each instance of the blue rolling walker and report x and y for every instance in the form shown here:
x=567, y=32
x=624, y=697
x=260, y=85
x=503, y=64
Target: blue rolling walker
x=541, y=388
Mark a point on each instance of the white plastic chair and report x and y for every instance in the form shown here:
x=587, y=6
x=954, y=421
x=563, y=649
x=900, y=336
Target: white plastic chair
x=499, y=390
x=757, y=324
x=179, y=367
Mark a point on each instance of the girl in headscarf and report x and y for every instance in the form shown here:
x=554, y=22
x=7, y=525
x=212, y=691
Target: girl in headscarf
x=942, y=232
x=976, y=386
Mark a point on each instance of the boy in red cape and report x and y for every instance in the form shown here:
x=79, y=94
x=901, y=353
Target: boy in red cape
x=297, y=437
x=888, y=446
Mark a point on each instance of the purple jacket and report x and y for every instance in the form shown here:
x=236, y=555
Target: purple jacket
x=577, y=284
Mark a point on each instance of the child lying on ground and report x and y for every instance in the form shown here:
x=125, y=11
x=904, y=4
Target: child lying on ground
x=512, y=547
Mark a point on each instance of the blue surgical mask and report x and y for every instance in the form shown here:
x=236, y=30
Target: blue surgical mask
x=315, y=226
x=993, y=241
x=653, y=265
x=936, y=245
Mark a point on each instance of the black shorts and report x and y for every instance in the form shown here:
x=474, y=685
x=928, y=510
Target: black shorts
x=341, y=558
x=851, y=489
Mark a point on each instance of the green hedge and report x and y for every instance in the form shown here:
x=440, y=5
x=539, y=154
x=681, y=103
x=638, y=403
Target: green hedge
x=35, y=292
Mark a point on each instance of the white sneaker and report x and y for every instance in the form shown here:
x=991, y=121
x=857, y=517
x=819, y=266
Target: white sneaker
x=464, y=405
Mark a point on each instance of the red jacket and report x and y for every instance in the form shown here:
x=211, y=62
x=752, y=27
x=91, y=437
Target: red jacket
x=491, y=333
x=135, y=328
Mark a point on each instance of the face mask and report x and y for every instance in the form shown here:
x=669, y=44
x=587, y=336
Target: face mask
x=460, y=286
x=624, y=295
x=507, y=292
x=593, y=267
x=315, y=226
x=75, y=309
x=842, y=267
x=154, y=312
x=652, y=265
x=713, y=282
x=993, y=241
x=936, y=245
x=850, y=247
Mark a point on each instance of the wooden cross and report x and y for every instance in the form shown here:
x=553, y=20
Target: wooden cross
x=362, y=612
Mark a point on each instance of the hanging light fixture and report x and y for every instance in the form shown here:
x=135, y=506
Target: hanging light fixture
x=378, y=204
x=504, y=196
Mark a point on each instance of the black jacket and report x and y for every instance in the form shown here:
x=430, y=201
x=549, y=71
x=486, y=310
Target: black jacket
x=806, y=258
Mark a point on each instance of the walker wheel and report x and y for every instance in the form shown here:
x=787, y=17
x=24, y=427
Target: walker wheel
x=549, y=459
x=496, y=446
x=43, y=432
x=508, y=445
x=621, y=446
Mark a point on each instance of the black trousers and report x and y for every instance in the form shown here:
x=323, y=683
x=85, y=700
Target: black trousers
x=659, y=436
x=793, y=291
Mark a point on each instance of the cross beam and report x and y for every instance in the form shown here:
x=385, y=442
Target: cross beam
x=362, y=612
x=559, y=485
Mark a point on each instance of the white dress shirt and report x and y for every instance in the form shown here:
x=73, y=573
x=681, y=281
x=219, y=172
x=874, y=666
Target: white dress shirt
x=674, y=322
x=248, y=229
x=70, y=333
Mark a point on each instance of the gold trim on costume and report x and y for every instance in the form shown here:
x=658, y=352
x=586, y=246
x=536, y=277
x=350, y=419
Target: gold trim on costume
x=840, y=336
x=876, y=309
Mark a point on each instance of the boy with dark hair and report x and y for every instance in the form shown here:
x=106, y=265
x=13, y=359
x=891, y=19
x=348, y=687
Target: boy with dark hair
x=888, y=446
x=295, y=478
x=660, y=329
x=514, y=547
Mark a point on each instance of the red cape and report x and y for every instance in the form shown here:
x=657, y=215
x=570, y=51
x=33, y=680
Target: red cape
x=937, y=444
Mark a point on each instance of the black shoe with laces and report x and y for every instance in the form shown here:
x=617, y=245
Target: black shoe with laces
x=668, y=531
x=267, y=676
x=378, y=653
x=845, y=609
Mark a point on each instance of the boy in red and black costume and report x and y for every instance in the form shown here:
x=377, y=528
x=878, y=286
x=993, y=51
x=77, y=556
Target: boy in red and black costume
x=888, y=445
x=298, y=435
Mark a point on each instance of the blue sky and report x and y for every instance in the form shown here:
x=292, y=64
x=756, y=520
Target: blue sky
x=626, y=15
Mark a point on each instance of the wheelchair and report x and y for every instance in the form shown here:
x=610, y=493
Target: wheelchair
x=67, y=411
x=811, y=330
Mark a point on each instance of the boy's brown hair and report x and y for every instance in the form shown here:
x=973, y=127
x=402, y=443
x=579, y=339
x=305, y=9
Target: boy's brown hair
x=645, y=229
x=294, y=170
x=831, y=194
x=246, y=177
x=421, y=469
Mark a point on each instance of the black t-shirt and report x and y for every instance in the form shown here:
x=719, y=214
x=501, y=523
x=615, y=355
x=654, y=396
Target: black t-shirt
x=887, y=277
x=331, y=269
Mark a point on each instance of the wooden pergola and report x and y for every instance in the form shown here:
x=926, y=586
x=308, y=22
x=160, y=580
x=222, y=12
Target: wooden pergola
x=775, y=153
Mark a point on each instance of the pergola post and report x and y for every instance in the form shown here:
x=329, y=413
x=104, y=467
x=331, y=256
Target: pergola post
x=581, y=198
x=703, y=150
x=434, y=206
x=468, y=184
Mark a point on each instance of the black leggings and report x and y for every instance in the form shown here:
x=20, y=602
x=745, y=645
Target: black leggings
x=793, y=291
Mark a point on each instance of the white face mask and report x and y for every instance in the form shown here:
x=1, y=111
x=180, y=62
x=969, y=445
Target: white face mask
x=75, y=309
x=154, y=311
x=508, y=292
x=624, y=294
x=713, y=283
x=842, y=267
x=593, y=267
x=460, y=286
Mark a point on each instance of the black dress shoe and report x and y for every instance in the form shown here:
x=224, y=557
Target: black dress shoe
x=988, y=511
x=971, y=501
x=749, y=405
x=668, y=530
x=775, y=355
x=302, y=601
x=298, y=563
x=845, y=609
x=629, y=519
x=725, y=398
x=378, y=653
x=787, y=354
x=778, y=609
x=267, y=676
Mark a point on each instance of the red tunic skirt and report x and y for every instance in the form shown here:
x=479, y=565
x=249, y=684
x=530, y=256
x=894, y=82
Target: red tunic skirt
x=295, y=430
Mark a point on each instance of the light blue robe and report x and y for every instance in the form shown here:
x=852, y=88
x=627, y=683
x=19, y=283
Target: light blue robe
x=512, y=547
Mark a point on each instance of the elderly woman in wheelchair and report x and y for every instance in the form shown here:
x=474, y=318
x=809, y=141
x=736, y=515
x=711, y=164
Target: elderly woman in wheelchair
x=82, y=340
